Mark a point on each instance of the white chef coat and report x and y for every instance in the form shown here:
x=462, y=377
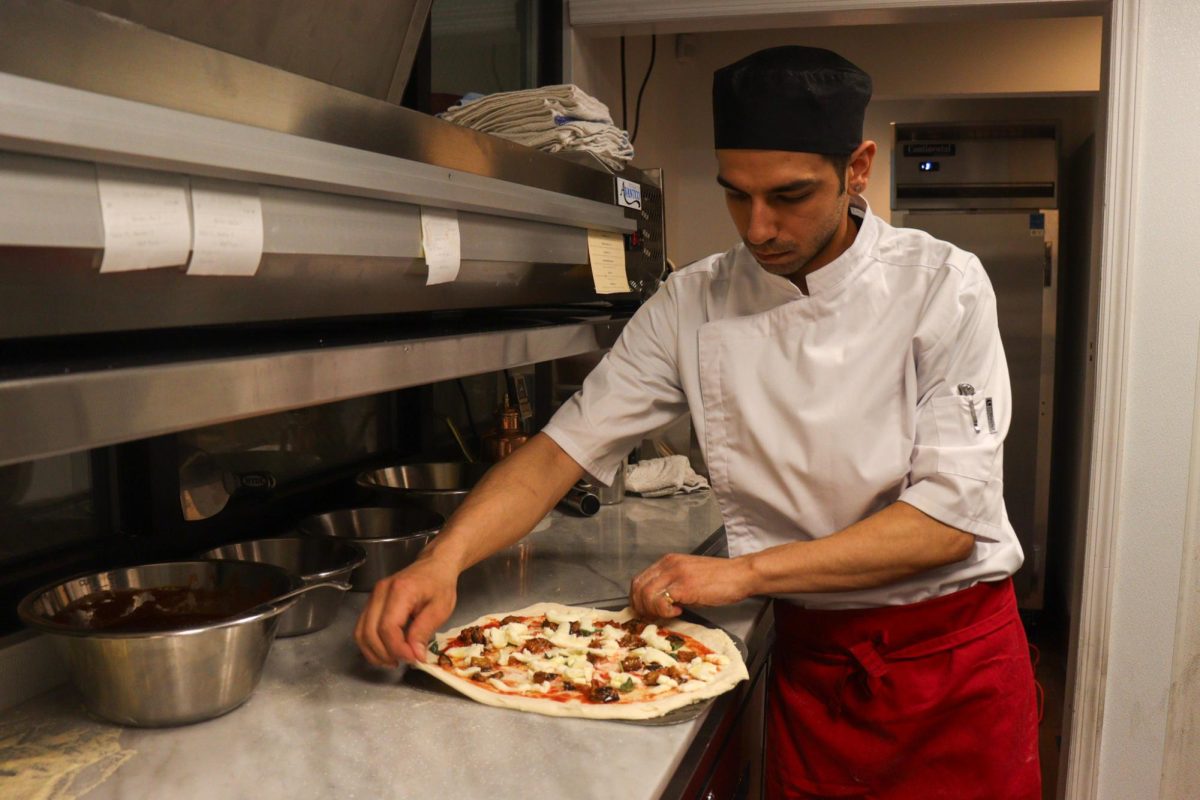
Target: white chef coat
x=815, y=411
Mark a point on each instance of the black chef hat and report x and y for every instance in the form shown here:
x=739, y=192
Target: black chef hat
x=801, y=99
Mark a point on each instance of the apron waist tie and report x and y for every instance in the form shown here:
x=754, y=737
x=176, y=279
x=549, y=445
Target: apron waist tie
x=866, y=664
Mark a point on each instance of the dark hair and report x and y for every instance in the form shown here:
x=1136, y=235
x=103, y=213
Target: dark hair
x=839, y=162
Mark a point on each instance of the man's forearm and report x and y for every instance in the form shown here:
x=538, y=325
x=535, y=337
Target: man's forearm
x=513, y=496
x=888, y=546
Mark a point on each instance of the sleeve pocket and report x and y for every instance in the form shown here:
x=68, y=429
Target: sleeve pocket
x=960, y=449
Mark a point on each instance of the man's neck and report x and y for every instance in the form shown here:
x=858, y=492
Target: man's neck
x=839, y=243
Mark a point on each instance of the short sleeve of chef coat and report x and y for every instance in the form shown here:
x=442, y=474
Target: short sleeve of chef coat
x=635, y=389
x=957, y=473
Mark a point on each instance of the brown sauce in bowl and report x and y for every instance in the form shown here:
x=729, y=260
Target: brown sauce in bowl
x=164, y=608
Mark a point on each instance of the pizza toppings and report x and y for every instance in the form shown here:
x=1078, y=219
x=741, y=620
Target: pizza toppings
x=473, y=635
x=537, y=645
x=603, y=694
x=669, y=674
x=654, y=655
x=583, y=656
x=631, y=641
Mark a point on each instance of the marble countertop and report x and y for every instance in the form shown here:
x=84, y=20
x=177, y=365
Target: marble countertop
x=324, y=724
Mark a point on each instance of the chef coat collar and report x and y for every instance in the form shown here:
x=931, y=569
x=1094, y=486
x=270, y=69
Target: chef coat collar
x=829, y=277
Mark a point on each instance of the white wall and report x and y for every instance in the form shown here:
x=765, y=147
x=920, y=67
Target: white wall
x=1164, y=297
x=911, y=65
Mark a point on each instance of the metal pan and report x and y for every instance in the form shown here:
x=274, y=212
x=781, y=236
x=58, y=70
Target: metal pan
x=166, y=644
x=391, y=537
x=438, y=486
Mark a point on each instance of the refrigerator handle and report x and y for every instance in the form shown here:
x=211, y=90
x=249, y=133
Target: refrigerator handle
x=1048, y=267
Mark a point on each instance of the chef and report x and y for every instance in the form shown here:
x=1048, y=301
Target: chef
x=847, y=384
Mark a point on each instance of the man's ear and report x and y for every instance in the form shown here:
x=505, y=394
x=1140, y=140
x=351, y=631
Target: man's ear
x=859, y=167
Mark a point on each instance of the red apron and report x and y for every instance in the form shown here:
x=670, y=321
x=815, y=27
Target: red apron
x=930, y=700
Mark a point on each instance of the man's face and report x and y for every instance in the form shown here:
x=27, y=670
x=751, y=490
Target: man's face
x=787, y=207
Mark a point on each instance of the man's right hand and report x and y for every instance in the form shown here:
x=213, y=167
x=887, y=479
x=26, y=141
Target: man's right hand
x=405, y=610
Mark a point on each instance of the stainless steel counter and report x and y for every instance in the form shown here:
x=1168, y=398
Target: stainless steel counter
x=324, y=724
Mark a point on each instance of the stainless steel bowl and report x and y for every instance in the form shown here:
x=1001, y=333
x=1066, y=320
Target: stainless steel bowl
x=312, y=559
x=165, y=668
x=391, y=536
x=438, y=486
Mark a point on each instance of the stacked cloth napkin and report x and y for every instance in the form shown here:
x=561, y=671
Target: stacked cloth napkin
x=662, y=477
x=550, y=118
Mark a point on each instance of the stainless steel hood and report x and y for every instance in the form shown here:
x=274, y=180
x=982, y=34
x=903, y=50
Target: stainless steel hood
x=292, y=103
x=250, y=79
x=363, y=46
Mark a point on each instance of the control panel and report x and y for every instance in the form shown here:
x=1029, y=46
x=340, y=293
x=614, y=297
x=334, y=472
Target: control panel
x=640, y=193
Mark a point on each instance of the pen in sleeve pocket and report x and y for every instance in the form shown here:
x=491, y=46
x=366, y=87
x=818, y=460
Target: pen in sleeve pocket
x=968, y=391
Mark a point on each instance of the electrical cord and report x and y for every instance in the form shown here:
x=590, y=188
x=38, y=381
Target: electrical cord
x=637, y=109
x=470, y=417
x=624, y=107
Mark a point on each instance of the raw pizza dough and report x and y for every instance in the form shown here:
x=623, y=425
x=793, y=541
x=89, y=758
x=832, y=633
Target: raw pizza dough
x=729, y=674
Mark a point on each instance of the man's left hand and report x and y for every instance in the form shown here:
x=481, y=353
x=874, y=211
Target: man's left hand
x=676, y=580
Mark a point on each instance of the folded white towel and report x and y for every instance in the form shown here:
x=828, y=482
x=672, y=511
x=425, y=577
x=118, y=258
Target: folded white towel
x=550, y=118
x=662, y=477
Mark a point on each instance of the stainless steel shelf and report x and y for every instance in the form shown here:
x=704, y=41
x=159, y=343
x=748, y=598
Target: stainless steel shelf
x=44, y=119
x=51, y=414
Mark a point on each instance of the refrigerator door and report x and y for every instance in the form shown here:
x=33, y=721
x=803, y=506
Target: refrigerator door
x=1019, y=251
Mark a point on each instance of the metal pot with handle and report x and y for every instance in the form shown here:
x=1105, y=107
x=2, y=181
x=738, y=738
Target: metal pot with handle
x=169, y=643
x=391, y=536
